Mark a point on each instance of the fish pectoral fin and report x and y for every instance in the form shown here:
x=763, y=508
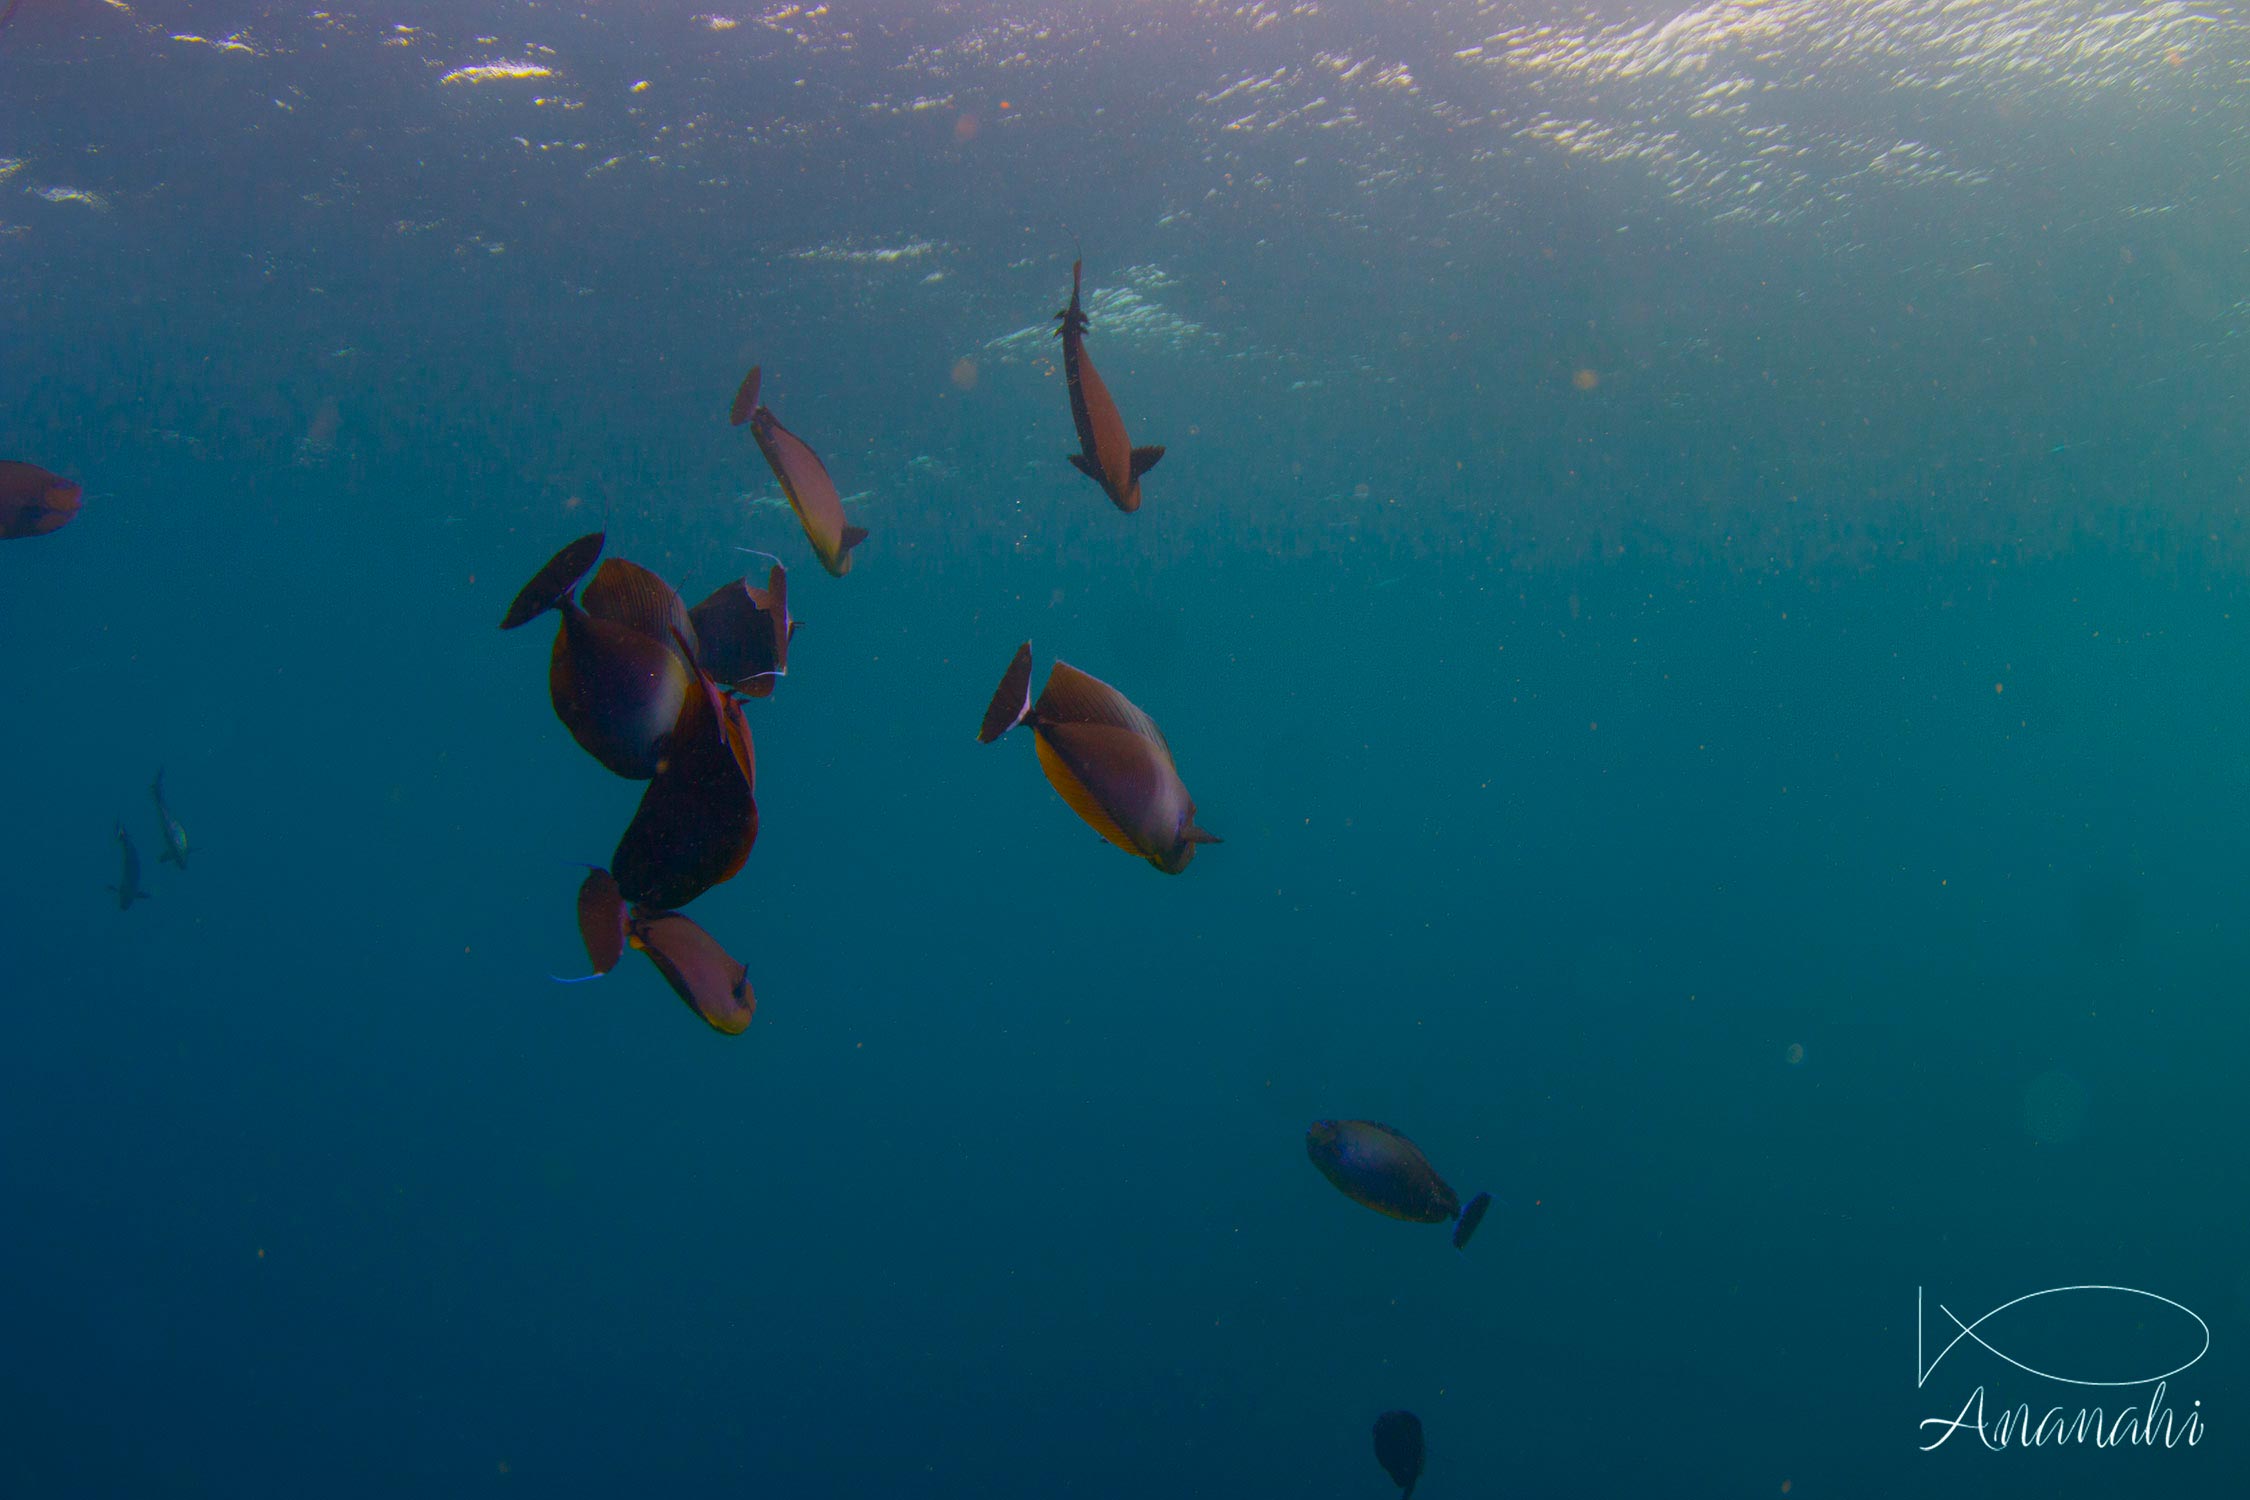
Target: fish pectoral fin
x=853, y=536
x=1084, y=465
x=1203, y=836
x=1144, y=459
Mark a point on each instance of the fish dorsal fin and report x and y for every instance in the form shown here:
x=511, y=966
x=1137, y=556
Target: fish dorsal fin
x=1144, y=459
x=1075, y=697
x=628, y=594
x=1082, y=801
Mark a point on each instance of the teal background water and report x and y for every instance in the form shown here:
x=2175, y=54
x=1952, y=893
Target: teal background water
x=1854, y=663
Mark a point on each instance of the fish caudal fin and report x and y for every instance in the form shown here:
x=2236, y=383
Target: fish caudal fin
x=1145, y=459
x=553, y=583
x=745, y=398
x=1471, y=1217
x=1011, y=701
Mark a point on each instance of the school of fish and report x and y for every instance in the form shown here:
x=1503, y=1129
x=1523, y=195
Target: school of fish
x=653, y=691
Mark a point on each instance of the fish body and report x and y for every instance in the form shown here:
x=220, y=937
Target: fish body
x=620, y=672
x=1398, y=1448
x=743, y=633
x=617, y=691
x=34, y=502
x=175, y=836
x=700, y=972
x=1106, y=758
x=704, y=975
x=128, y=888
x=1105, y=455
x=804, y=480
x=1377, y=1167
x=699, y=817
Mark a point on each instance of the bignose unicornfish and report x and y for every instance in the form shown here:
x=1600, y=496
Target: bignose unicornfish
x=1105, y=455
x=700, y=972
x=1106, y=757
x=803, y=479
x=617, y=688
x=34, y=502
x=1378, y=1168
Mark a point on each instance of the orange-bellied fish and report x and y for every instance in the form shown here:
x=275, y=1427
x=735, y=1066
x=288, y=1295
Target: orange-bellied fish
x=803, y=478
x=700, y=972
x=175, y=836
x=1107, y=759
x=1376, y=1167
x=619, y=691
x=699, y=817
x=1105, y=455
x=128, y=888
x=34, y=502
x=743, y=633
x=1398, y=1448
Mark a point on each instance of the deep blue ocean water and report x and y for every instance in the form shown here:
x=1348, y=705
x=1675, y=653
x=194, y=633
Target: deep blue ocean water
x=1700, y=572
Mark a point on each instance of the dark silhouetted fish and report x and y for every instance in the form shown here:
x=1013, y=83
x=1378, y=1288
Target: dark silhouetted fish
x=743, y=633
x=1104, y=453
x=798, y=470
x=699, y=817
x=700, y=972
x=1398, y=1448
x=1375, y=1166
x=1107, y=759
x=34, y=502
x=128, y=888
x=175, y=836
x=619, y=691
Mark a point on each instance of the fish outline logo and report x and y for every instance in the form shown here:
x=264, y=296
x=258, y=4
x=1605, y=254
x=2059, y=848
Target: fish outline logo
x=1923, y=1371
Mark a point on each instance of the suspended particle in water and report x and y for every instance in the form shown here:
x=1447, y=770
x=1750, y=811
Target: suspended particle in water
x=964, y=374
x=1796, y=1054
x=1586, y=380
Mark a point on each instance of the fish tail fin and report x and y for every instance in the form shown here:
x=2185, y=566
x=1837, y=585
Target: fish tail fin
x=1011, y=701
x=745, y=398
x=156, y=787
x=1469, y=1219
x=1145, y=459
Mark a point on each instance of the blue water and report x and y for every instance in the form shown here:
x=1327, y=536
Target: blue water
x=1713, y=639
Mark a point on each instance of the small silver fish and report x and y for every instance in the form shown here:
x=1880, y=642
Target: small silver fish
x=175, y=836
